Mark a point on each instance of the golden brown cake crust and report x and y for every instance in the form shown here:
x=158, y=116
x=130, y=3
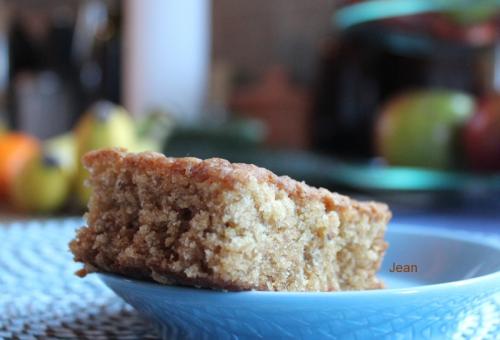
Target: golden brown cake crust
x=223, y=171
x=216, y=224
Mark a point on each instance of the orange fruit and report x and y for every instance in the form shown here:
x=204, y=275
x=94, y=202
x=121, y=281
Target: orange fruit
x=16, y=149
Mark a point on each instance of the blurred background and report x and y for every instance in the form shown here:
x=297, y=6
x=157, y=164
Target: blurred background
x=385, y=99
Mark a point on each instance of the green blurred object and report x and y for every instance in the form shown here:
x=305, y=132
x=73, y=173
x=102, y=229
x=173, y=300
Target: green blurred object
x=324, y=170
x=477, y=11
x=153, y=131
x=237, y=134
x=242, y=141
x=462, y=11
x=421, y=128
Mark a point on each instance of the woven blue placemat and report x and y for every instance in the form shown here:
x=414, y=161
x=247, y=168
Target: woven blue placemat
x=40, y=297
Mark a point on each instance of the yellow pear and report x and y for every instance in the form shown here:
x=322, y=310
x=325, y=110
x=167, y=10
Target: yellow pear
x=104, y=125
x=42, y=185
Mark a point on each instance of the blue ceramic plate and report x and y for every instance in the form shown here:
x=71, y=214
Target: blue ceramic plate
x=450, y=288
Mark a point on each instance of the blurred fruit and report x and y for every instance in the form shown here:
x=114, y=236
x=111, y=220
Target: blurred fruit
x=152, y=131
x=42, y=185
x=421, y=128
x=482, y=136
x=156, y=126
x=82, y=193
x=15, y=150
x=63, y=149
x=104, y=125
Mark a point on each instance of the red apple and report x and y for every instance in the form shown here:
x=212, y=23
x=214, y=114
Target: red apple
x=482, y=136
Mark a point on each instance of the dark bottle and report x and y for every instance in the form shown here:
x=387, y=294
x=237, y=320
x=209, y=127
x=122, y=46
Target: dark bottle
x=61, y=60
x=41, y=91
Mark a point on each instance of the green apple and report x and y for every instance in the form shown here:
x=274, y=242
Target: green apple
x=42, y=186
x=421, y=128
x=104, y=125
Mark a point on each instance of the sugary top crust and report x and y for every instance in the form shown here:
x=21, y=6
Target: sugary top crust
x=229, y=174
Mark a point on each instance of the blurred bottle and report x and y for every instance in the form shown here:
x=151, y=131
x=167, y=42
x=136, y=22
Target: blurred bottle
x=96, y=51
x=40, y=91
x=61, y=59
x=43, y=104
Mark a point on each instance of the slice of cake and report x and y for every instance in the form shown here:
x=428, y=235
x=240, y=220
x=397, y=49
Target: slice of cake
x=211, y=223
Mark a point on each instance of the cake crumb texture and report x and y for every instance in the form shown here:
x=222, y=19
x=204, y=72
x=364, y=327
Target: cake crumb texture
x=212, y=223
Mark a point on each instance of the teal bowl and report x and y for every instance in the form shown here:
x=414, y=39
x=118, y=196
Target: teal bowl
x=440, y=284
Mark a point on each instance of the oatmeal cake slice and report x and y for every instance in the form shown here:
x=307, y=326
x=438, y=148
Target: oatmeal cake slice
x=211, y=223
